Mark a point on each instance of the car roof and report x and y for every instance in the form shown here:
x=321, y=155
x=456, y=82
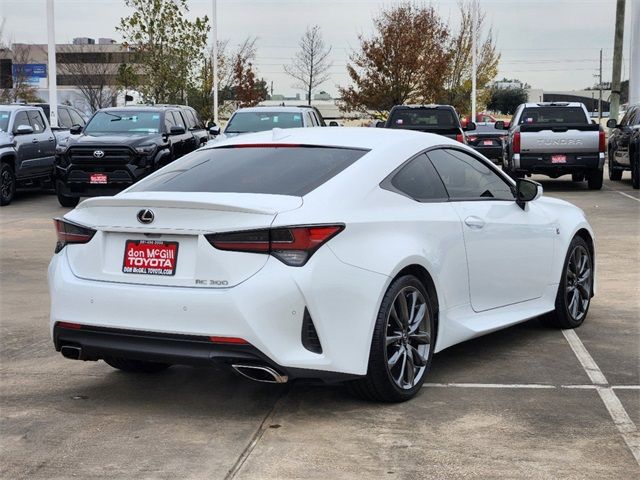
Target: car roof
x=552, y=104
x=271, y=108
x=143, y=108
x=415, y=106
x=345, y=137
x=18, y=106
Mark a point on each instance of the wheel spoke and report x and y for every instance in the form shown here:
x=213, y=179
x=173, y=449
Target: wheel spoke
x=391, y=339
x=419, y=317
x=412, y=312
x=394, y=358
x=394, y=316
x=573, y=306
x=422, y=338
x=404, y=310
x=402, y=368
x=418, y=359
x=411, y=370
x=584, y=293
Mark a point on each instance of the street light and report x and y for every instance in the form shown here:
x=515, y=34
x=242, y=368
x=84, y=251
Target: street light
x=214, y=30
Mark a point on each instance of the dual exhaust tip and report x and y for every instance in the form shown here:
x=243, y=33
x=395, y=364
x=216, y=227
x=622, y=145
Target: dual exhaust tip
x=258, y=373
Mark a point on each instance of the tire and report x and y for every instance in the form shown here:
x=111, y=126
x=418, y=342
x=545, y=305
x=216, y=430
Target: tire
x=135, y=366
x=595, y=179
x=635, y=172
x=7, y=185
x=615, y=174
x=577, y=177
x=66, y=201
x=410, y=354
x=577, y=279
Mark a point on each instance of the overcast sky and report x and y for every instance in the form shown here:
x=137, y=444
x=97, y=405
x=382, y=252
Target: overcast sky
x=550, y=44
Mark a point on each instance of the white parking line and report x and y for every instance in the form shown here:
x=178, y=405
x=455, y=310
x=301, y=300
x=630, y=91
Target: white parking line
x=628, y=196
x=620, y=417
x=540, y=386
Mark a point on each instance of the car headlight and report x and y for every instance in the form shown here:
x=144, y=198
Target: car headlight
x=147, y=149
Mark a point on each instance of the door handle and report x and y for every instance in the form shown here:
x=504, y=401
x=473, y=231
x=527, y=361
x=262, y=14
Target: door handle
x=474, y=222
x=51, y=139
x=35, y=140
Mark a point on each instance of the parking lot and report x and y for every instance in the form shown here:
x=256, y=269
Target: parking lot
x=526, y=402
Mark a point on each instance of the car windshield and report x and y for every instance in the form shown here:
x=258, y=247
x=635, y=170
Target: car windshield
x=423, y=117
x=4, y=120
x=285, y=170
x=553, y=115
x=125, y=121
x=244, y=122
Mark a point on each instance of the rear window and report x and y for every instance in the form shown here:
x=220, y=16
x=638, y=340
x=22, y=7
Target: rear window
x=272, y=170
x=244, y=122
x=423, y=117
x=552, y=115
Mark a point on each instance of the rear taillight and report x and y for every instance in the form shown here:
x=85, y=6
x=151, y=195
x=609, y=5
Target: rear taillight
x=516, y=143
x=291, y=245
x=460, y=138
x=69, y=233
x=602, y=144
x=472, y=138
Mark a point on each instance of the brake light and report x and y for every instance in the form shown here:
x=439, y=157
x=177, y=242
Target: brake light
x=460, y=138
x=69, y=233
x=472, y=138
x=293, y=246
x=602, y=142
x=516, y=143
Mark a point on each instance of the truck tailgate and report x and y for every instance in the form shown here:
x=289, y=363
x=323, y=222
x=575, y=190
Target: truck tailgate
x=559, y=139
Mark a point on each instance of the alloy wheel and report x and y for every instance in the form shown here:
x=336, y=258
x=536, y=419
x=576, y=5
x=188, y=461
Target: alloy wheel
x=6, y=185
x=408, y=338
x=578, y=283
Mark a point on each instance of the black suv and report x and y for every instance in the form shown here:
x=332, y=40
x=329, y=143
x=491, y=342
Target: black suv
x=439, y=119
x=193, y=123
x=118, y=147
x=624, y=146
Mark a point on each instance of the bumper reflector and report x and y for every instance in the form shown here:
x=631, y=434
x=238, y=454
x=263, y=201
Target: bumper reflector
x=229, y=340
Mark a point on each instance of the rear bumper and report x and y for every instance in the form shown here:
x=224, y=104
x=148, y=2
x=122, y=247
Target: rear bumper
x=542, y=163
x=266, y=310
x=96, y=343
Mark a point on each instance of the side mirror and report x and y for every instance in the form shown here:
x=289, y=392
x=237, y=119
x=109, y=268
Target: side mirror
x=23, y=130
x=333, y=123
x=177, y=130
x=214, y=130
x=612, y=123
x=527, y=191
x=75, y=129
x=470, y=126
x=380, y=124
x=500, y=125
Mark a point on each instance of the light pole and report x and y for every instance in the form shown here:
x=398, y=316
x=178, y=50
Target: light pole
x=474, y=62
x=51, y=60
x=214, y=30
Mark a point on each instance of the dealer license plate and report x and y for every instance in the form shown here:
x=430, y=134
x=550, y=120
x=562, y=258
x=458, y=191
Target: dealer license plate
x=558, y=159
x=98, y=178
x=150, y=257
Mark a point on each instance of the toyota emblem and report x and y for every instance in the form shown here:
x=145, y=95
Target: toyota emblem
x=98, y=154
x=145, y=216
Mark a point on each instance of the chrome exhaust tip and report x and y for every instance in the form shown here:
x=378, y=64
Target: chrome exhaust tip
x=260, y=373
x=73, y=353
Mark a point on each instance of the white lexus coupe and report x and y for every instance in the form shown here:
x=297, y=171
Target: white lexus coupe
x=334, y=254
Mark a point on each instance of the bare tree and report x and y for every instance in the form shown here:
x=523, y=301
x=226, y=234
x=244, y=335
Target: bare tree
x=22, y=90
x=96, y=81
x=311, y=64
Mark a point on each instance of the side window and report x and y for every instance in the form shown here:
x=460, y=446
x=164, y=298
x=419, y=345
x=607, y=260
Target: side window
x=169, y=120
x=199, y=123
x=190, y=116
x=64, y=118
x=179, y=119
x=419, y=180
x=467, y=178
x=76, y=119
x=37, y=122
x=314, y=119
x=21, y=119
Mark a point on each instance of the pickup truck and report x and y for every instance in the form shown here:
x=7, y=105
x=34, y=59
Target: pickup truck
x=624, y=146
x=27, y=149
x=554, y=139
x=438, y=119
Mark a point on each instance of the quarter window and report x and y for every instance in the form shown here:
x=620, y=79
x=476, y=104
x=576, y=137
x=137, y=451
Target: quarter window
x=467, y=178
x=419, y=180
x=76, y=119
x=64, y=118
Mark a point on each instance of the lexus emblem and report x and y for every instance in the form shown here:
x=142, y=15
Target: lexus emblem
x=145, y=216
x=98, y=154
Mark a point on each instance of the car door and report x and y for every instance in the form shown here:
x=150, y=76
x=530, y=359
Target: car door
x=190, y=142
x=45, y=144
x=26, y=144
x=509, y=249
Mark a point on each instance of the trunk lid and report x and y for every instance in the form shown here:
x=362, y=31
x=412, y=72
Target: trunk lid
x=559, y=139
x=175, y=234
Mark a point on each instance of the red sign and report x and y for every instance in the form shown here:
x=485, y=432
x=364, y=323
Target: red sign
x=99, y=178
x=150, y=257
x=558, y=159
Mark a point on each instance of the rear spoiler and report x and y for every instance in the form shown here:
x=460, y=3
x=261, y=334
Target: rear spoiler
x=561, y=127
x=425, y=129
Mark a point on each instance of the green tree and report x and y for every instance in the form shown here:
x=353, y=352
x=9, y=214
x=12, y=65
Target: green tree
x=404, y=61
x=171, y=48
x=506, y=100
